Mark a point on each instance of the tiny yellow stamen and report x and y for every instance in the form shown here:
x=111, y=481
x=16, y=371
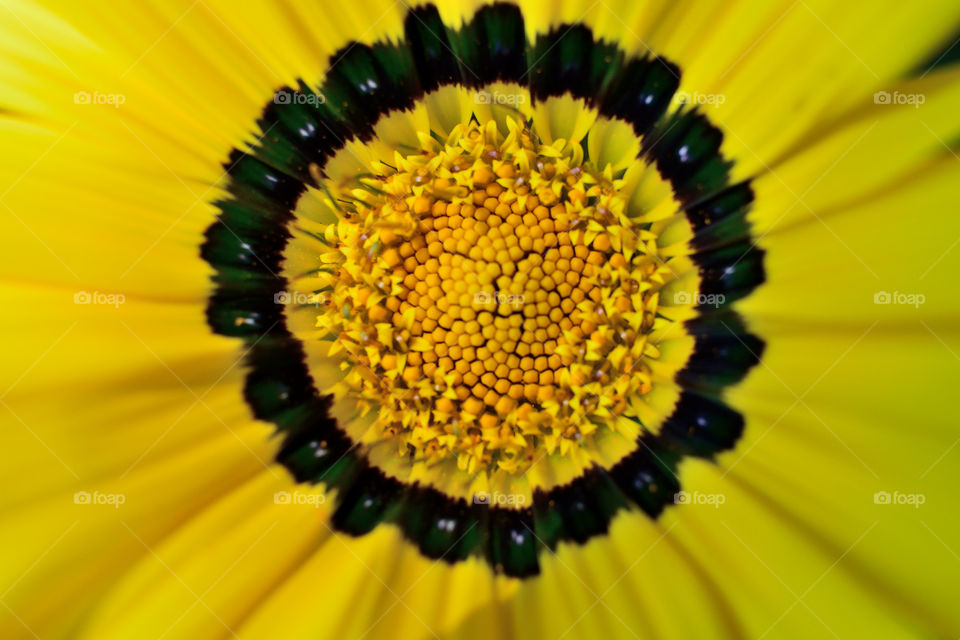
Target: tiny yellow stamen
x=492, y=282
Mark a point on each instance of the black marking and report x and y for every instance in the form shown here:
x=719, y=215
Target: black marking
x=369, y=500
x=723, y=353
x=426, y=36
x=732, y=272
x=686, y=149
x=513, y=545
x=587, y=506
x=245, y=239
x=258, y=184
x=440, y=526
x=492, y=46
x=299, y=123
x=722, y=218
x=396, y=60
x=315, y=450
x=359, y=89
x=641, y=93
x=648, y=476
x=278, y=381
x=242, y=316
x=701, y=426
x=560, y=62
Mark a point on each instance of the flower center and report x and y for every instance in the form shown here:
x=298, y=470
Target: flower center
x=491, y=297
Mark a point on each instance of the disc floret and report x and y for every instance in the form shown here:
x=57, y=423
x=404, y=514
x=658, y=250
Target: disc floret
x=491, y=298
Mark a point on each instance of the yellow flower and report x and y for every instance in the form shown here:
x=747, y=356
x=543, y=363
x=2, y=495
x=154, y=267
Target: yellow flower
x=469, y=319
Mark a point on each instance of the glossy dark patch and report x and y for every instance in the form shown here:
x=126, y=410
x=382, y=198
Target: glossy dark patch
x=723, y=353
x=491, y=47
x=306, y=125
